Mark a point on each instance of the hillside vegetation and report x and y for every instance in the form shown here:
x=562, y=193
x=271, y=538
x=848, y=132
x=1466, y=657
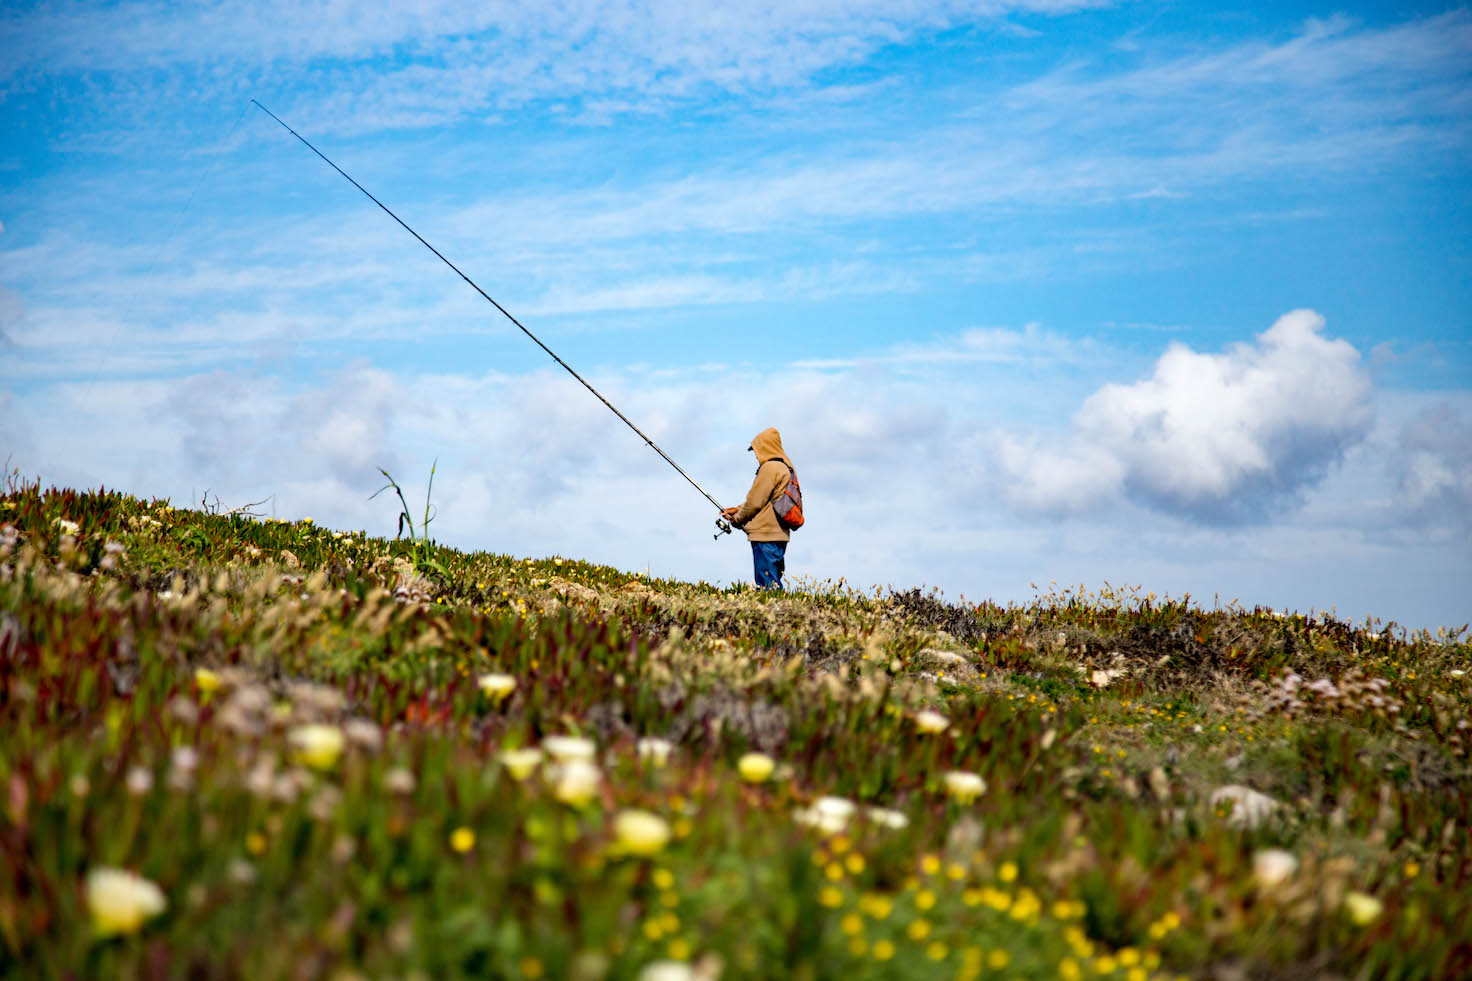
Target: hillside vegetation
x=263, y=749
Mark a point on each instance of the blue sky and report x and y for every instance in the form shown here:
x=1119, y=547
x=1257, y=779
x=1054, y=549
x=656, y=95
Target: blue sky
x=1169, y=294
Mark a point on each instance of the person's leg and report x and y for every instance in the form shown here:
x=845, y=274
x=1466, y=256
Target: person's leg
x=768, y=562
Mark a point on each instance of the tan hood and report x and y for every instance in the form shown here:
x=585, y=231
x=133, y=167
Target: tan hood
x=767, y=445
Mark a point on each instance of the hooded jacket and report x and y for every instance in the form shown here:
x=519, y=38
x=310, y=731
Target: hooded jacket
x=755, y=516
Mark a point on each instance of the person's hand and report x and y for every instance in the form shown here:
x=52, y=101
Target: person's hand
x=728, y=512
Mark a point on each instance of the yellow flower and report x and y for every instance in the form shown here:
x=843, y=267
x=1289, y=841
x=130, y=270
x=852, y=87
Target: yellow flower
x=640, y=832
x=520, y=762
x=496, y=686
x=918, y=930
x=462, y=840
x=316, y=745
x=121, y=901
x=1363, y=909
x=206, y=680
x=883, y=950
x=851, y=924
x=1007, y=872
x=830, y=897
x=931, y=722
x=255, y=843
x=964, y=786
x=998, y=959
x=756, y=767
x=576, y=782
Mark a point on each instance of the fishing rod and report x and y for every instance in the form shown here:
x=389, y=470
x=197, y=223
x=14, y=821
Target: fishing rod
x=725, y=527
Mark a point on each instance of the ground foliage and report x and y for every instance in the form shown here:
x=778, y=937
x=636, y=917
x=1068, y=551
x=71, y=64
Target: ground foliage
x=161, y=665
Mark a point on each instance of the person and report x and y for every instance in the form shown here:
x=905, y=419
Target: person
x=755, y=515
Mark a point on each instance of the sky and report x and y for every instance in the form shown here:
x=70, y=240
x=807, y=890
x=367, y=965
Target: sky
x=1164, y=294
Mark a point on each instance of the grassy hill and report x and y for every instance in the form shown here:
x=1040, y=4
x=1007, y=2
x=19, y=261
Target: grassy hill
x=265, y=749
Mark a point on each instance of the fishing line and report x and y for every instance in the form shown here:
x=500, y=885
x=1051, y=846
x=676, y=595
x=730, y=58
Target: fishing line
x=491, y=300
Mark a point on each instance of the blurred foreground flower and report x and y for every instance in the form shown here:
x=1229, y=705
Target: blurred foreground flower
x=829, y=815
x=566, y=749
x=756, y=767
x=1272, y=866
x=1363, y=909
x=888, y=818
x=576, y=782
x=654, y=750
x=121, y=901
x=666, y=971
x=931, y=722
x=496, y=686
x=316, y=745
x=520, y=762
x=462, y=839
x=206, y=680
x=640, y=832
x=964, y=786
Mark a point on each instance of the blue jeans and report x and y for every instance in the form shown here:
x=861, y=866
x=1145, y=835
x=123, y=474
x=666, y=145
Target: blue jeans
x=769, y=560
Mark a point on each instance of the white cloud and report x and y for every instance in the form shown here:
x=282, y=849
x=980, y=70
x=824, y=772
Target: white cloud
x=1216, y=437
x=1433, y=458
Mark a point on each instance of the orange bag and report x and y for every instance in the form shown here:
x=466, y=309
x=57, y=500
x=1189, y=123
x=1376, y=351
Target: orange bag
x=788, y=504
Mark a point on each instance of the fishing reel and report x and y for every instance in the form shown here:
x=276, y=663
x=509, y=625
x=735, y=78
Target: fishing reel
x=724, y=526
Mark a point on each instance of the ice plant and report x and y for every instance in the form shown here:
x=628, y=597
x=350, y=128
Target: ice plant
x=756, y=767
x=931, y=722
x=496, y=686
x=964, y=786
x=316, y=745
x=829, y=815
x=640, y=832
x=654, y=750
x=576, y=782
x=520, y=762
x=566, y=749
x=121, y=901
x=1273, y=866
x=1363, y=909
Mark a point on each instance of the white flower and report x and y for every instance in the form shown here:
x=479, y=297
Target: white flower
x=654, y=750
x=399, y=781
x=496, y=686
x=931, y=722
x=1273, y=866
x=121, y=901
x=964, y=786
x=640, y=832
x=566, y=749
x=363, y=733
x=139, y=781
x=576, y=782
x=1457, y=673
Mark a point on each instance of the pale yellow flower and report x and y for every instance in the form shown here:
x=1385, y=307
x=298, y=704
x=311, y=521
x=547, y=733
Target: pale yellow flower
x=316, y=745
x=462, y=840
x=121, y=901
x=496, y=686
x=756, y=767
x=654, y=750
x=520, y=762
x=931, y=722
x=640, y=832
x=964, y=786
x=667, y=971
x=1363, y=909
x=566, y=749
x=576, y=782
x=885, y=817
